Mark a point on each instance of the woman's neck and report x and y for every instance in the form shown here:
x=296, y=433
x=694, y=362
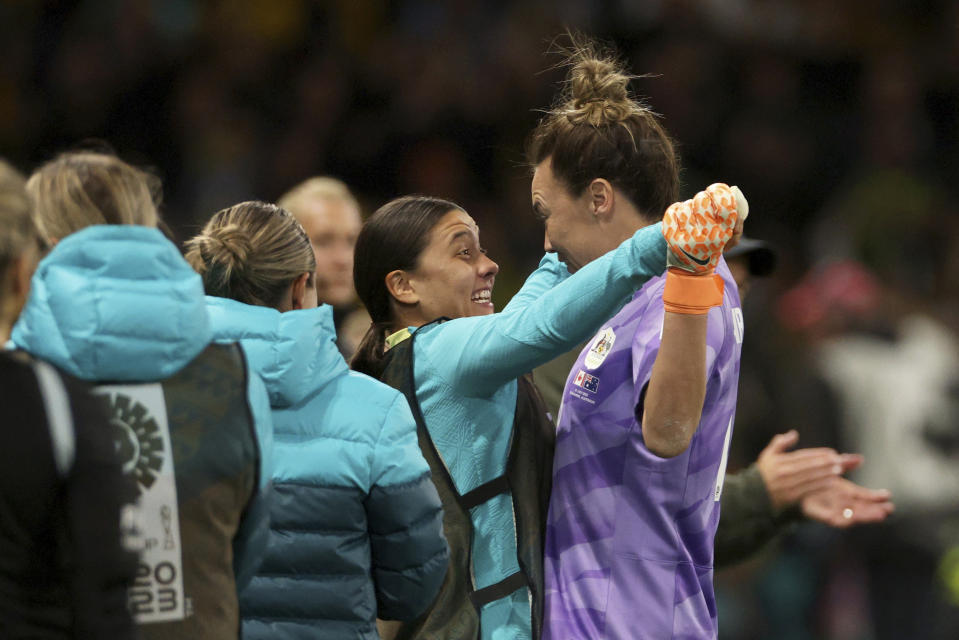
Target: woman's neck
x=403, y=318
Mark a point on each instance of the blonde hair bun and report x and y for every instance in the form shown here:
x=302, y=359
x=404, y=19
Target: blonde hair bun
x=229, y=246
x=251, y=252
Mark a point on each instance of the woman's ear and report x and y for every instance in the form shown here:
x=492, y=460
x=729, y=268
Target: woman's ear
x=601, y=197
x=298, y=291
x=400, y=287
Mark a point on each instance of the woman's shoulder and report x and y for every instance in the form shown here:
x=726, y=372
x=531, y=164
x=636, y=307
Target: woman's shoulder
x=365, y=396
x=353, y=406
x=437, y=336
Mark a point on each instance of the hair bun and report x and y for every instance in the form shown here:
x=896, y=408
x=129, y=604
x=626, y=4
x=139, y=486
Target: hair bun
x=229, y=246
x=595, y=80
x=233, y=245
x=597, y=87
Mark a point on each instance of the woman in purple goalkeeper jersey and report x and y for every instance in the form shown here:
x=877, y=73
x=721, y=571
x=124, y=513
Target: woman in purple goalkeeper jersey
x=635, y=499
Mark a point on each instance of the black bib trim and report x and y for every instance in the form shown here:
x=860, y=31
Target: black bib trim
x=485, y=492
x=501, y=589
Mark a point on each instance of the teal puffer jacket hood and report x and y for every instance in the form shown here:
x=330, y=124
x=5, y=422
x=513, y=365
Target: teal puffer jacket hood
x=115, y=303
x=284, y=348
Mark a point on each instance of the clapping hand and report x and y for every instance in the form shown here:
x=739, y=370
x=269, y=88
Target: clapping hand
x=812, y=479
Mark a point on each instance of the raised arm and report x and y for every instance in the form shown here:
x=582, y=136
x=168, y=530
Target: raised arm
x=697, y=231
x=548, y=274
x=477, y=355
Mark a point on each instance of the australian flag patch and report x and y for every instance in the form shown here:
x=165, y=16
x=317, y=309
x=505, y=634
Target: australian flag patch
x=586, y=381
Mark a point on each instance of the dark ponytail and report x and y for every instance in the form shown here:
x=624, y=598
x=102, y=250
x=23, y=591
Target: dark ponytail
x=393, y=238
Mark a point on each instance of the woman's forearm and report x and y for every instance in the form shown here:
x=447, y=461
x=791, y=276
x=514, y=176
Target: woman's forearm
x=677, y=387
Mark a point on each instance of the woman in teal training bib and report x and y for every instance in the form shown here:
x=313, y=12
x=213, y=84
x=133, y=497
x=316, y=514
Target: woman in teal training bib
x=355, y=520
x=422, y=274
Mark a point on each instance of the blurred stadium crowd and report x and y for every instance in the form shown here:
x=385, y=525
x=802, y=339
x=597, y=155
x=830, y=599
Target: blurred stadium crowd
x=840, y=120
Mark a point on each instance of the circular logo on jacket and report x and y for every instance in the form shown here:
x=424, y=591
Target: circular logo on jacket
x=136, y=438
x=602, y=345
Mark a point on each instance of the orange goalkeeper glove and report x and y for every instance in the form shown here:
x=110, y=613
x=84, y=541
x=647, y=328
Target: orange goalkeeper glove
x=697, y=231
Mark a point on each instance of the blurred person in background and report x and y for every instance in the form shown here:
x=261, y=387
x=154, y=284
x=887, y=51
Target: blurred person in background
x=64, y=563
x=894, y=368
x=21, y=246
x=116, y=304
x=356, y=521
x=877, y=314
x=331, y=216
x=425, y=278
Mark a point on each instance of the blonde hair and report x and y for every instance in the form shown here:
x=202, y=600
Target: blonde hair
x=596, y=129
x=17, y=229
x=251, y=252
x=79, y=189
x=321, y=187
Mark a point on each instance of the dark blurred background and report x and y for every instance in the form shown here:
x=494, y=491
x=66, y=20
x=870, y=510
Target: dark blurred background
x=840, y=120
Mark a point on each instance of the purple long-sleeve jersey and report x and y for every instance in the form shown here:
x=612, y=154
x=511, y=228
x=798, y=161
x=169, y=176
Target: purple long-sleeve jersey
x=629, y=541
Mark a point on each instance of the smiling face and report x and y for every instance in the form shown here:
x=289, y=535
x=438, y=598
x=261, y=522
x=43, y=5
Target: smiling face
x=571, y=230
x=453, y=277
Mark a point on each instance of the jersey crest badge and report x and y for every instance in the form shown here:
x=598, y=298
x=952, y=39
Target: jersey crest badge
x=602, y=345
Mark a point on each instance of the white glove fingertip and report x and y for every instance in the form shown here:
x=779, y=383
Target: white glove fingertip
x=742, y=206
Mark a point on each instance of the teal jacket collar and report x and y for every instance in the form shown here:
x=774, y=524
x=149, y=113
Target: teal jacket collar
x=294, y=352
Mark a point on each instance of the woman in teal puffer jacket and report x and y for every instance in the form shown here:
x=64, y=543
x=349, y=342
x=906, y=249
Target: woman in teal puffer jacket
x=114, y=303
x=356, y=521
